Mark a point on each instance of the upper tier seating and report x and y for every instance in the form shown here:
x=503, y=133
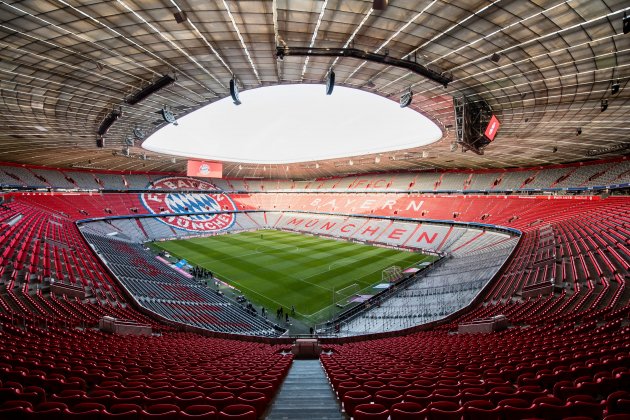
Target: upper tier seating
x=592, y=174
x=83, y=180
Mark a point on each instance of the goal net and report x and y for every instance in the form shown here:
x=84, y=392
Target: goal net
x=343, y=297
x=392, y=274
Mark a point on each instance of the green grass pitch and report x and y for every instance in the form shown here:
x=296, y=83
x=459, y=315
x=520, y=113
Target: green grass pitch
x=285, y=268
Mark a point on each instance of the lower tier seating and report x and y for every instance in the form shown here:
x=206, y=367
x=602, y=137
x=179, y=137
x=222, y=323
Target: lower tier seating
x=51, y=373
x=174, y=295
x=565, y=353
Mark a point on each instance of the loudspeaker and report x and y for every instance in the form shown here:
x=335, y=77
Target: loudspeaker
x=406, y=99
x=495, y=57
x=234, y=92
x=626, y=23
x=180, y=17
x=330, y=82
x=100, y=142
x=614, y=89
x=380, y=4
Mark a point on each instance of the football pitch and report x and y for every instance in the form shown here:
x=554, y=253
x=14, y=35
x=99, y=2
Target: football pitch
x=275, y=268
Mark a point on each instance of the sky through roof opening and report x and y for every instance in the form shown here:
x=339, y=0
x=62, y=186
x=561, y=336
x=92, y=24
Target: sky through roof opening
x=295, y=123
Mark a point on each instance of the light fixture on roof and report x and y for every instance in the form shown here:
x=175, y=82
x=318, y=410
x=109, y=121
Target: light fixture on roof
x=406, y=98
x=430, y=72
x=149, y=90
x=379, y=4
x=167, y=115
x=377, y=159
x=626, y=23
x=604, y=105
x=619, y=147
x=108, y=121
x=139, y=133
x=578, y=131
x=180, y=16
x=330, y=81
x=495, y=57
x=234, y=91
x=614, y=89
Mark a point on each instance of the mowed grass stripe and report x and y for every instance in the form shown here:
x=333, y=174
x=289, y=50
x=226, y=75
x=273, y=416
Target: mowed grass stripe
x=287, y=269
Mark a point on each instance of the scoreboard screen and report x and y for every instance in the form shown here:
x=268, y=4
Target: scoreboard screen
x=493, y=127
x=205, y=169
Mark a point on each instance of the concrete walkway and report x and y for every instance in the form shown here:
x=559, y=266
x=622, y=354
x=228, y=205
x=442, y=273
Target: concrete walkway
x=305, y=394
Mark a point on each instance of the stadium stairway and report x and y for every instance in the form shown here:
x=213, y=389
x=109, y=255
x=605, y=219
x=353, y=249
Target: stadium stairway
x=305, y=394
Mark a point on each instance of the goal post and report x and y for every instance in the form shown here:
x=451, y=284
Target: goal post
x=392, y=274
x=344, y=296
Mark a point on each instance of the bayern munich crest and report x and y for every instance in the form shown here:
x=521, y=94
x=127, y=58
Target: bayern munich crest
x=183, y=202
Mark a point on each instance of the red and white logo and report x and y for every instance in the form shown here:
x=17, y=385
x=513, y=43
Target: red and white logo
x=204, y=169
x=183, y=202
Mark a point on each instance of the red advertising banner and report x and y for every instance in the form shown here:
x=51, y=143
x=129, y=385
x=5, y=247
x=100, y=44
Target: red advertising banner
x=493, y=127
x=205, y=169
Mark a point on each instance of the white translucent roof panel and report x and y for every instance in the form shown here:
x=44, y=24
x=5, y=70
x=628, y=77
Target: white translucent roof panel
x=295, y=123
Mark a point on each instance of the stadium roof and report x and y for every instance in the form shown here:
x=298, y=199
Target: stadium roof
x=66, y=64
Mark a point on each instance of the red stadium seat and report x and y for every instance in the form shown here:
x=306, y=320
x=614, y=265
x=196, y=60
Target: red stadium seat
x=18, y=413
x=444, y=410
x=160, y=412
x=84, y=411
x=122, y=412
x=199, y=412
x=346, y=386
x=155, y=397
x=387, y=397
x=221, y=399
x=264, y=387
x=255, y=399
x=407, y=411
x=371, y=412
x=352, y=399
x=238, y=412
x=188, y=398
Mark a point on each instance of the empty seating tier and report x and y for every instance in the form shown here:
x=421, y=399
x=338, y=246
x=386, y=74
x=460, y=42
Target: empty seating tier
x=599, y=174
